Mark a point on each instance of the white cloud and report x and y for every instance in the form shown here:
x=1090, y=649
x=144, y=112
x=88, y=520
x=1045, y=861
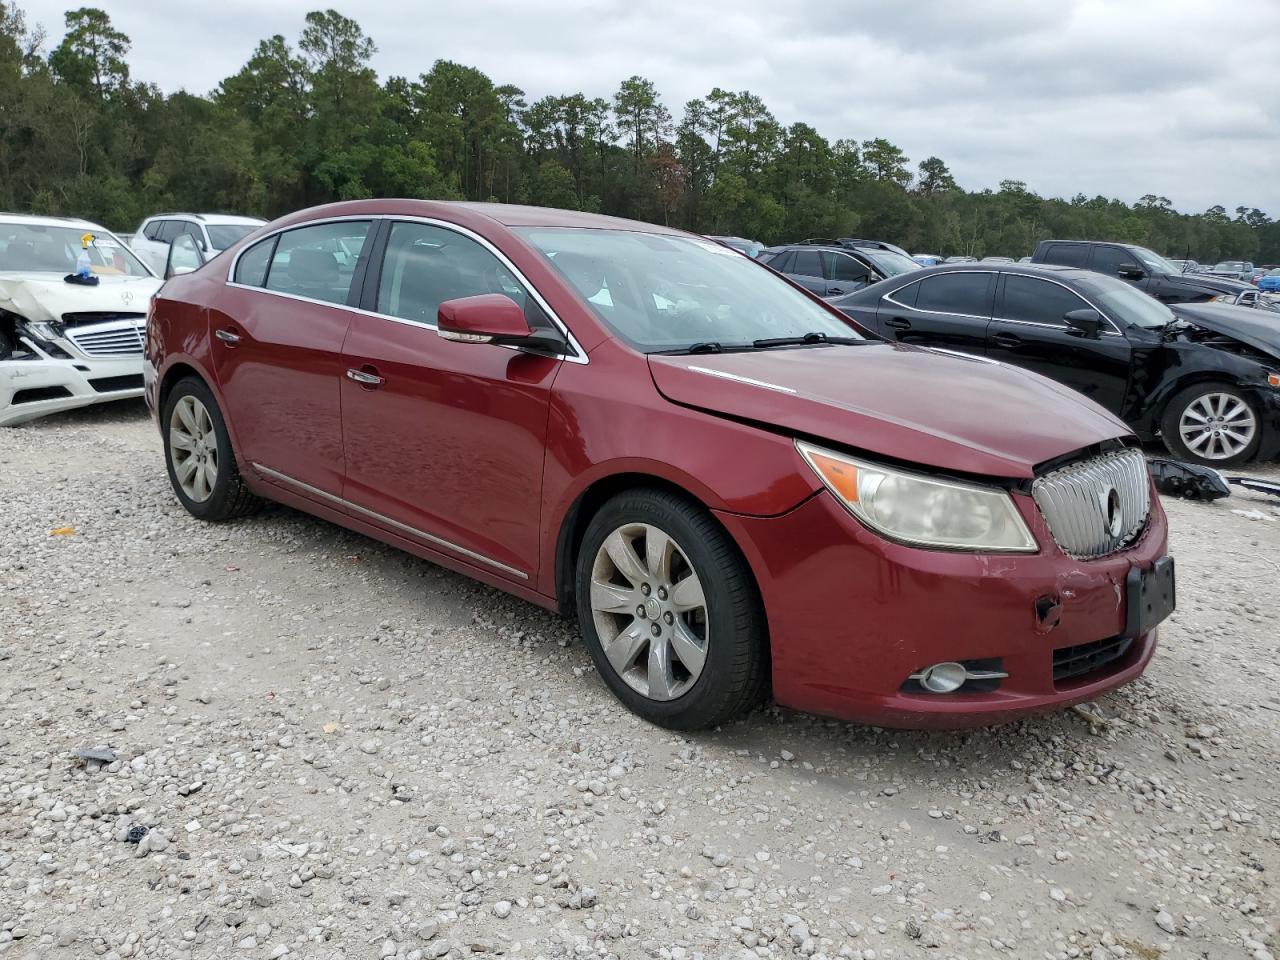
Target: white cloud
x=1112, y=97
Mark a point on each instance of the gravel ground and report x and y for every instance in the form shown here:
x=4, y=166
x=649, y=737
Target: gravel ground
x=331, y=749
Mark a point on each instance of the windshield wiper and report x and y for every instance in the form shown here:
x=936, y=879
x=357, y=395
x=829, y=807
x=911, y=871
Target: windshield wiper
x=801, y=341
x=704, y=346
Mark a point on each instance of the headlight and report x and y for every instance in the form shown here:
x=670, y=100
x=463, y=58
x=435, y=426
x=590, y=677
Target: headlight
x=45, y=331
x=921, y=510
x=1226, y=298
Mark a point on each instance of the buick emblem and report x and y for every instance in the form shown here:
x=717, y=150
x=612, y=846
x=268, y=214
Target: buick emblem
x=1112, y=513
x=126, y=297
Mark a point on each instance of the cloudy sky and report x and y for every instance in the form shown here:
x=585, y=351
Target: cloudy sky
x=1113, y=97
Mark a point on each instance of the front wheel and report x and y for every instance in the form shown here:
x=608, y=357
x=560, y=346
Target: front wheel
x=197, y=450
x=1213, y=424
x=670, y=612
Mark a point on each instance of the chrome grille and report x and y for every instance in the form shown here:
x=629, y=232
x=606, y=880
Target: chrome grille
x=122, y=338
x=1096, y=506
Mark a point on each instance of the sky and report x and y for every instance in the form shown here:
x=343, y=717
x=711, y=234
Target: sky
x=1114, y=97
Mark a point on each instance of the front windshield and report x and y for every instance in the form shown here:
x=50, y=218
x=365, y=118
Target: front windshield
x=224, y=235
x=1230, y=265
x=660, y=292
x=1125, y=304
x=889, y=263
x=1154, y=262
x=36, y=248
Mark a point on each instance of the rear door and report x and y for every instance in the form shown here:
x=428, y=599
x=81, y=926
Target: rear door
x=1029, y=331
x=844, y=273
x=445, y=441
x=806, y=269
x=277, y=351
x=950, y=310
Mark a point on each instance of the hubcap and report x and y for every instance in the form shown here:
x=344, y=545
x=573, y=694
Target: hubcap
x=1217, y=426
x=649, y=611
x=193, y=448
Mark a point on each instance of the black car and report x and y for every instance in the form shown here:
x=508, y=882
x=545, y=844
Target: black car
x=1147, y=271
x=833, y=269
x=1205, y=378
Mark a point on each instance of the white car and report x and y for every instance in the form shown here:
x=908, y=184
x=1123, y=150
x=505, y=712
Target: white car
x=213, y=233
x=65, y=344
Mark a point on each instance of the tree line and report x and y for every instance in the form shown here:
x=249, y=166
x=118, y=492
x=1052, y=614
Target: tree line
x=309, y=121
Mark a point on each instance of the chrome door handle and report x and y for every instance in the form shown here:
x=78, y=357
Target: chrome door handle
x=367, y=379
x=226, y=336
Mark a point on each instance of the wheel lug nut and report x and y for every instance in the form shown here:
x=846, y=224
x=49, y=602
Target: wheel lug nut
x=662, y=593
x=640, y=612
x=657, y=630
x=669, y=618
x=645, y=589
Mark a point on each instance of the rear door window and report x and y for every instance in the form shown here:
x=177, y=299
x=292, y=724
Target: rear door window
x=169, y=230
x=906, y=295
x=780, y=261
x=808, y=263
x=845, y=268
x=967, y=293
x=1067, y=254
x=318, y=262
x=152, y=232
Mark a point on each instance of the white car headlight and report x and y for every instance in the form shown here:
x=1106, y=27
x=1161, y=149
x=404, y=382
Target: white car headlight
x=922, y=510
x=1226, y=298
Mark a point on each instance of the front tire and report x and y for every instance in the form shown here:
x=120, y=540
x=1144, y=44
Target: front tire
x=670, y=612
x=197, y=450
x=1213, y=424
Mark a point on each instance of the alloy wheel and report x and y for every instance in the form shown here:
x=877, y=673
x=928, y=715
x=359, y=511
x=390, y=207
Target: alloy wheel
x=1217, y=426
x=193, y=448
x=649, y=610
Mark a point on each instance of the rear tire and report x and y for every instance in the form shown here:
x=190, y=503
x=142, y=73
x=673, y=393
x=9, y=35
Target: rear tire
x=1189, y=421
x=197, y=451
x=676, y=626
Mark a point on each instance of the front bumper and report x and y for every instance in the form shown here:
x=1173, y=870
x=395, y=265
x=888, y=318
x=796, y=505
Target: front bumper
x=852, y=616
x=38, y=387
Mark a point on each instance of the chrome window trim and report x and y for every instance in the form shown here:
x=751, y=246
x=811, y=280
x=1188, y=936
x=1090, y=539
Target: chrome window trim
x=422, y=535
x=579, y=355
x=1114, y=330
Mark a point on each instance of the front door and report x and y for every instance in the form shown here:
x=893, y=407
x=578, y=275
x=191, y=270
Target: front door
x=949, y=310
x=445, y=441
x=1029, y=331
x=277, y=351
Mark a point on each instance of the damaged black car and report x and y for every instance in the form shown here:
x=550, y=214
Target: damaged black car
x=1202, y=377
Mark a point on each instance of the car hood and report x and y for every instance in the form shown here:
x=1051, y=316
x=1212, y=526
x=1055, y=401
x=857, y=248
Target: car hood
x=1259, y=329
x=929, y=407
x=1207, y=281
x=41, y=297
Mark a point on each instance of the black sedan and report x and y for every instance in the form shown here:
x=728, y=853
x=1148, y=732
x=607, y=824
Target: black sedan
x=1204, y=378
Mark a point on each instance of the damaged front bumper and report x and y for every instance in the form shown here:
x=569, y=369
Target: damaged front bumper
x=40, y=384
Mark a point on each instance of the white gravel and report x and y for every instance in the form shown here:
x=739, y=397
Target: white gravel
x=327, y=748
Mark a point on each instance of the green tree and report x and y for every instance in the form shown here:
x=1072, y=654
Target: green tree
x=92, y=54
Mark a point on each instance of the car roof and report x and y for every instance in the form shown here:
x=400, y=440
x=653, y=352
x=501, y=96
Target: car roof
x=462, y=212
x=209, y=218
x=51, y=221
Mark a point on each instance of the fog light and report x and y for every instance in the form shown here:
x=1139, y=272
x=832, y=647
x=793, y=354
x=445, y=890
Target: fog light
x=943, y=677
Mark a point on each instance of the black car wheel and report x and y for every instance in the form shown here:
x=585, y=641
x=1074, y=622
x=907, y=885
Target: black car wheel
x=1212, y=423
x=670, y=612
x=197, y=451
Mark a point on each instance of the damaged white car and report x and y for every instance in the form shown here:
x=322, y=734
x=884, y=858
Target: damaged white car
x=65, y=340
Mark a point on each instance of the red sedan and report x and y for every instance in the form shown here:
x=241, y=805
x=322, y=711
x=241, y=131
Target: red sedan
x=734, y=490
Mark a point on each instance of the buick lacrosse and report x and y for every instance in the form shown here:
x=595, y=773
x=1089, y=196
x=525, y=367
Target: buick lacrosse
x=736, y=491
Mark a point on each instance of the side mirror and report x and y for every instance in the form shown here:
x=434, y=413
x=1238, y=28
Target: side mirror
x=1131, y=271
x=1084, y=322
x=491, y=318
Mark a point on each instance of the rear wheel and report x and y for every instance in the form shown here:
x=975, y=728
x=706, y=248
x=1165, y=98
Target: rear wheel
x=197, y=450
x=670, y=612
x=1212, y=423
